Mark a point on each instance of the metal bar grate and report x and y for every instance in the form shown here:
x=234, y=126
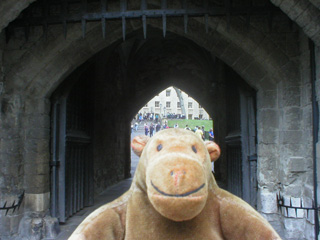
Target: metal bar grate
x=66, y=14
x=281, y=205
x=14, y=205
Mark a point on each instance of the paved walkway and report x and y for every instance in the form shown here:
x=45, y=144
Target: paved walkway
x=108, y=195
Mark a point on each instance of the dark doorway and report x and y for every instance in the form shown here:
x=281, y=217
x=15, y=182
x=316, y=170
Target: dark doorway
x=241, y=139
x=72, y=161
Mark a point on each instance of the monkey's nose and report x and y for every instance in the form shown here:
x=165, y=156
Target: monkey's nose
x=178, y=175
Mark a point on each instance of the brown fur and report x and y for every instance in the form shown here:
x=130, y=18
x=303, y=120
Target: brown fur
x=174, y=196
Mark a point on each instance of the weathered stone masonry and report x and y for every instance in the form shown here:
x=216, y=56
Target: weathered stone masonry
x=275, y=63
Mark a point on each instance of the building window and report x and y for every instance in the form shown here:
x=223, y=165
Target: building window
x=178, y=105
x=200, y=116
x=168, y=93
x=168, y=104
x=156, y=104
x=189, y=116
x=189, y=104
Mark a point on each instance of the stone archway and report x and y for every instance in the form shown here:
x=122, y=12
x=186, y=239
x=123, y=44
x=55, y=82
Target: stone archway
x=59, y=66
x=44, y=66
x=9, y=10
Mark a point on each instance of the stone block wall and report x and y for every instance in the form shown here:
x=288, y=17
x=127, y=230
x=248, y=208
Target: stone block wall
x=305, y=13
x=2, y=44
x=294, y=164
x=275, y=63
x=317, y=88
x=11, y=170
x=285, y=143
x=111, y=124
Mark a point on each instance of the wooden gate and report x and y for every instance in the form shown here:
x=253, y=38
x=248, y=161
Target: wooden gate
x=241, y=143
x=72, y=157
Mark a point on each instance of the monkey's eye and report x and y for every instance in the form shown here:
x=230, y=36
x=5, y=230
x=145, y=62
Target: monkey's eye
x=159, y=147
x=194, y=149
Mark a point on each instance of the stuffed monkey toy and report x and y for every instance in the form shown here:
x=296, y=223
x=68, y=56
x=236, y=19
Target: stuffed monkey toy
x=174, y=196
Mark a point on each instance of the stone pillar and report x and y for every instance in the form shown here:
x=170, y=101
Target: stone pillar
x=294, y=156
x=37, y=222
x=268, y=148
x=111, y=126
x=2, y=44
x=317, y=88
x=11, y=170
x=36, y=132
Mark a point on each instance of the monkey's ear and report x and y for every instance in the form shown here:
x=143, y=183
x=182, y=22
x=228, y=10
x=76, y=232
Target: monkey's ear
x=213, y=149
x=138, y=143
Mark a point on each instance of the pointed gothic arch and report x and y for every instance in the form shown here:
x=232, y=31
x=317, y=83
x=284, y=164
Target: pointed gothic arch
x=260, y=62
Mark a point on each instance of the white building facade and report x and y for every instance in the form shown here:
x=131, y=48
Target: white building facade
x=167, y=103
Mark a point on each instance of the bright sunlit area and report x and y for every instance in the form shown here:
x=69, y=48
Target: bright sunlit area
x=171, y=108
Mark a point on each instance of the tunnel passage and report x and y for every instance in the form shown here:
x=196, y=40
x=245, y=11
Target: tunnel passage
x=269, y=51
x=101, y=96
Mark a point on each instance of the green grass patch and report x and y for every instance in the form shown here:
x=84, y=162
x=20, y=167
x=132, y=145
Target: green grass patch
x=191, y=123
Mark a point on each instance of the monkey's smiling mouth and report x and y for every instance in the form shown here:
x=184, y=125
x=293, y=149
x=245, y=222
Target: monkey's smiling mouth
x=177, y=195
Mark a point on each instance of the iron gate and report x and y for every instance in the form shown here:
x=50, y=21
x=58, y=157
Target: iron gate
x=234, y=169
x=49, y=12
x=241, y=143
x=72, y=161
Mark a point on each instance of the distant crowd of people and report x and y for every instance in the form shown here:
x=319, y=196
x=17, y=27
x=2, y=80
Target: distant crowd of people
x=155, y=117
x=147, y=116
x=200, y=131
x=152, y=128
x=175, y=116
